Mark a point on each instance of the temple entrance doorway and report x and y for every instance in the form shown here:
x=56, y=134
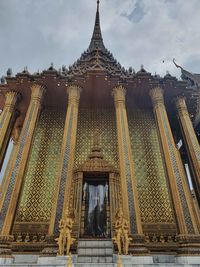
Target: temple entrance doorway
x=96, y=196
x=96, y=206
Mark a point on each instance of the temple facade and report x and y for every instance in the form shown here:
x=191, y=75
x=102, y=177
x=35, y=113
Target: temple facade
x=94, y=143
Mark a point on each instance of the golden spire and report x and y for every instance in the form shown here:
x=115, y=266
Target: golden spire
x=97, y=40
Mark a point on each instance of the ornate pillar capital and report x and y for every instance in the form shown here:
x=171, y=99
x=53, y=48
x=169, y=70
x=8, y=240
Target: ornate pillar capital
x=74, y=92
x=156, y=95
x=181, y=106
x=119, y=94
x=37, y=92
x=11, y=99
x=7, y=120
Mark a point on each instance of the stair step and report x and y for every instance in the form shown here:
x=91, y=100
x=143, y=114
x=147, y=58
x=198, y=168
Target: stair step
x=95, y=251
x=95, y=259
x=95, y=243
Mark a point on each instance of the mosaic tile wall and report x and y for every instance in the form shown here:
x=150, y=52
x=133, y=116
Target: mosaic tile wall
x=39, y=181
x=104, y=122
x=155, y=202
x=38, y=188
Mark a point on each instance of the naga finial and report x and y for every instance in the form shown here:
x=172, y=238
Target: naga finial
x=176, y=64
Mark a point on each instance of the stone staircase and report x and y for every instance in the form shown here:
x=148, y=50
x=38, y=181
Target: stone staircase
x=95, y=251
x=99, y=253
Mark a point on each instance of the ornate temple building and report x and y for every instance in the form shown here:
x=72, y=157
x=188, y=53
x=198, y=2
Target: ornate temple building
x=94, y=143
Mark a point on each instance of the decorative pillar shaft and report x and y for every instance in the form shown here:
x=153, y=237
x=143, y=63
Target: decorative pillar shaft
x=191, y=142
x=18, y=168
x=10, y=165
x=128, y=180
x=62, y=198
x=7, y=120
x=177, y=180
x=6, y=178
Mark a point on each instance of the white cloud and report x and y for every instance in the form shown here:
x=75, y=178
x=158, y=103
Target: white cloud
x=37, y=32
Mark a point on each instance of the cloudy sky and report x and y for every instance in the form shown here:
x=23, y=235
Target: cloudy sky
x=35, y=33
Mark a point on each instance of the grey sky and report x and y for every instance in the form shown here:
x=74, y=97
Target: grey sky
x=35, y=33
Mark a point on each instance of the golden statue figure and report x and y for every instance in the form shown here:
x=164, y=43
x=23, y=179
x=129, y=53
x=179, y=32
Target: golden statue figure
x=61, y=239
x=118, y=230
x=65, y=236
x=121, y=238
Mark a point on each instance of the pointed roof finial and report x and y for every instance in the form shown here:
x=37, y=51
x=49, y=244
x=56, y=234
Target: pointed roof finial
x=97, y=40
x=176, y=64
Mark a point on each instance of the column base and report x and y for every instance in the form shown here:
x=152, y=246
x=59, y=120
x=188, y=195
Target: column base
x=50, y=248
x=5, y=246
x=188, y=244
x=137, y=246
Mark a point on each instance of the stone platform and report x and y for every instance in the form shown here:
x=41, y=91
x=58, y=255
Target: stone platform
x=100, y=253
x=127, y=261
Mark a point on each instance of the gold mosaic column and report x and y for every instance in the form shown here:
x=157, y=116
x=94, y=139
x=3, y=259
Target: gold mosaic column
x=7, y=120
x=6, y=178
x=62, y=197
x=130, y=201
x=191, y=142
x=10, y=165
x=23, y=147
x=177, y=179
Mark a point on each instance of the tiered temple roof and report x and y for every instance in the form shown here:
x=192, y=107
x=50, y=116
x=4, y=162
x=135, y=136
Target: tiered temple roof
x=97, y=71
x=97, y=57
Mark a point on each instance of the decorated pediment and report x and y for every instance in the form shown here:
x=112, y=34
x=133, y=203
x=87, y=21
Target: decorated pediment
x=96, y=161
